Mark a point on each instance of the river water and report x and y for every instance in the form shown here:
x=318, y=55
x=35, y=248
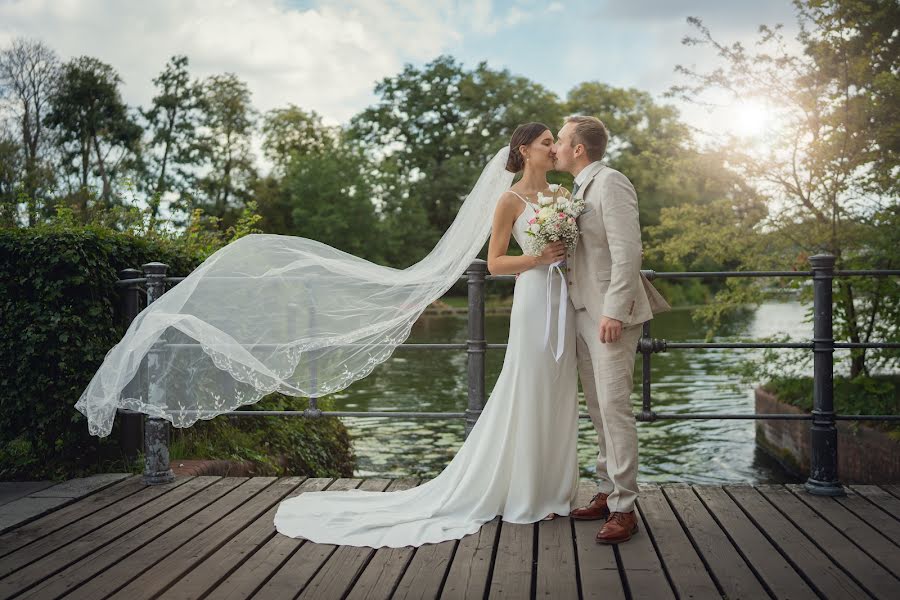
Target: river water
x=684, y=381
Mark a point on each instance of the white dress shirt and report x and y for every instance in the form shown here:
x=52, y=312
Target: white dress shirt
x=582, y=174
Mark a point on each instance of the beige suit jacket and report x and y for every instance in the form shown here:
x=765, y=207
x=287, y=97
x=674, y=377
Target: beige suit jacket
x=604, y=271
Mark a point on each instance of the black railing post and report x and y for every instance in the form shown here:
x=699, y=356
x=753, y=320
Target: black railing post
x=476, y=345
x=156, y=430
x=132, y=425
x=645, y=345
x=823, y=476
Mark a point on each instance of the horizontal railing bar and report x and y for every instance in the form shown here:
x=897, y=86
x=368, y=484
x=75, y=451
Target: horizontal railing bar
x=461, y=415
x=650, y=274
x=695, y=274
x=668, y=345
x=399, y=346
x=868, y=273
x=867, y=344
x=738, y=345
x=124, y=282
x=728, y=416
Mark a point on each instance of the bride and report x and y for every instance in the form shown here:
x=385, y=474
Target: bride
x=276, y=313
x=520, y=459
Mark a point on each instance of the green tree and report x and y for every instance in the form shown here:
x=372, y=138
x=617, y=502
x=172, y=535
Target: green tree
x=653, y=147
x=854, y=44
x=436, y=127
x=96, y=134
x=292, y=131
x=172, y=120
x=321, y=187
x=10, y=163
x=227, y=125
x=28, y=69
x=817, y=169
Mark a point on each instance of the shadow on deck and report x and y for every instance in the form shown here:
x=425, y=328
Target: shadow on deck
x=212, y=537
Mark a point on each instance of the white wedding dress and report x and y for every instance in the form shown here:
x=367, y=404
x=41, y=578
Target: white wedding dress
x=519, y=461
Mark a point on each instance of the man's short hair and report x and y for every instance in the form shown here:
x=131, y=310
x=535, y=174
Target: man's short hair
x=591, y=133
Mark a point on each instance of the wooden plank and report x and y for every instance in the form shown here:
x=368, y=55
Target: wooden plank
x=42, y=501
x=80, y=560
x=386, y=567
x=24, y=510
x=130, y=567
x=880, y=498
x=557, y=575
x=13, y=490
x=251, y=575
x=81, y=486
x=686, y=569
x=867, y=573
x=892, y=488
x=425, y=573
x=817, y=567
x=872, y=515
x=597, y=565
x=468, y=576
x=514, y=562
x=770, y=566
x=343, y=568
x=297, y=571
x=727, y=567
x=65, y=535
x=69, y=515
x=642, y=566
x=215, y=543
x=869, y=539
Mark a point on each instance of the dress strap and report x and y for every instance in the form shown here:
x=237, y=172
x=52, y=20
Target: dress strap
x=522, y=198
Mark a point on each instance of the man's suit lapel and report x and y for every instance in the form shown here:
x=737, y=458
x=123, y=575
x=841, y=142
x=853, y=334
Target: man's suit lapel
x=593, y=169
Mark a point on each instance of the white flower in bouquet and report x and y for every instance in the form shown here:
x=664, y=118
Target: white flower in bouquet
x=555, y=221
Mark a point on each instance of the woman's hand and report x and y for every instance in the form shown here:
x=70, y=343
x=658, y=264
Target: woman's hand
x=552, y=253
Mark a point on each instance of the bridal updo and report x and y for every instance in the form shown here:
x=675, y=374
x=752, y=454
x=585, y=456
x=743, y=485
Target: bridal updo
x=522, y=136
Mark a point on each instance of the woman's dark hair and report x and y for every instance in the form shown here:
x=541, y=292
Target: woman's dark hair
x=522, y=136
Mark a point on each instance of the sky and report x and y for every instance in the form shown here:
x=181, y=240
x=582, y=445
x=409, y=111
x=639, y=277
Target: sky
x=328, y=55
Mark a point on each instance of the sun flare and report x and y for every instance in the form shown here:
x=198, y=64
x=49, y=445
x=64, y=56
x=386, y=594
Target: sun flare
x=750, y=119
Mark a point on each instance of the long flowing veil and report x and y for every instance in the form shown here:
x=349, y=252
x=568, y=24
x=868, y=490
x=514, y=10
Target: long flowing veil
x=271, y=313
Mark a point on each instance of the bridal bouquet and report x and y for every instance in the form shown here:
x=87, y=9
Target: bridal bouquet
x=555, y=221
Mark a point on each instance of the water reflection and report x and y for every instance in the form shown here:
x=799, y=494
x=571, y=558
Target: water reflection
x=684, y=381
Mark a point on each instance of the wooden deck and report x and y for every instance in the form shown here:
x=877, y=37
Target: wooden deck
x=212, y=537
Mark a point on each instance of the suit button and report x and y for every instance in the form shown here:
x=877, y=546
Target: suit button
x=570, y=283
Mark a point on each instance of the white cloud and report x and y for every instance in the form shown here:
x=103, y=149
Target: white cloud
x=325, y=58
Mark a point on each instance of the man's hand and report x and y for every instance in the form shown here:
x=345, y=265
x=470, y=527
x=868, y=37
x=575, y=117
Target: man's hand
x=610, y=329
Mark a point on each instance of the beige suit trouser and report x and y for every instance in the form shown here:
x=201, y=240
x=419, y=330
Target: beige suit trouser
x=606, y=372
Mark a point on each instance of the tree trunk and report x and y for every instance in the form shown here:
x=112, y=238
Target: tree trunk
x=857, y=358
x=107, y=189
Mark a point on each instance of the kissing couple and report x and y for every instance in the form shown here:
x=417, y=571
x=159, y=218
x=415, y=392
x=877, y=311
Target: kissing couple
x=285, y=314
x=520, y=459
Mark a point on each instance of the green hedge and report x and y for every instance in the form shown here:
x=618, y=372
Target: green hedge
x=875, y=395
x=60, y=312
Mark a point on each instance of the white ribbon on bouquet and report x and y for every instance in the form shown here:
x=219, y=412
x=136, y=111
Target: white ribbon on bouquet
x=561, y=310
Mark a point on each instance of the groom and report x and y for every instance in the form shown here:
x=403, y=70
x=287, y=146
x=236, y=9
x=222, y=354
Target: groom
x=611, y=300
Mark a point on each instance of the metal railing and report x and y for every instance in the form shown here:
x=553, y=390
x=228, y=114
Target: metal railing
x=152, y=433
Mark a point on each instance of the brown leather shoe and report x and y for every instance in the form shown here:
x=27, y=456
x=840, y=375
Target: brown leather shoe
x=619, y=527
x=597, y=509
